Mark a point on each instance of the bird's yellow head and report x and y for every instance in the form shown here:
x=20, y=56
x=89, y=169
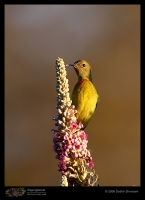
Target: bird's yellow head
x=83, y=69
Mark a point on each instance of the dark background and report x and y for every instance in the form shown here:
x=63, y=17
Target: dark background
x=108, y=37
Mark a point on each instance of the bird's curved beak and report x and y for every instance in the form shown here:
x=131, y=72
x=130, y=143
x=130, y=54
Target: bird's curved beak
x=67, y=65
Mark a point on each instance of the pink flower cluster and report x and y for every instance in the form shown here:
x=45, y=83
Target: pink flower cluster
x=72, y=144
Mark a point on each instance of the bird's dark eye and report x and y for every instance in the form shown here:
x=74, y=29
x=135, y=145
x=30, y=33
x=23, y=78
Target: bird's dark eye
x=84, y=65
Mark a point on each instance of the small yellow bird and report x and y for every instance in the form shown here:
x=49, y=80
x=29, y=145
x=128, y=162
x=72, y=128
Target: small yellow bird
x=84, y=95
